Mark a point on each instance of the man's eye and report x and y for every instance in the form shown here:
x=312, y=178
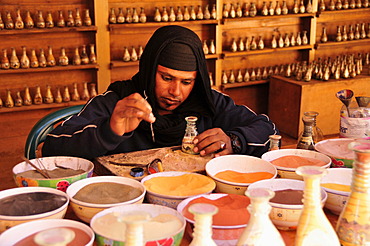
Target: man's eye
x=166, y=78
x=187, y=82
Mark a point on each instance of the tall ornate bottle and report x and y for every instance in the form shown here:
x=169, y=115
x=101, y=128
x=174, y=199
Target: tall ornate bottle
x=42, y=58
x=5, y=64
x=305, y=140
x=84, y=57
x=260, y=229
x=63, y=58
x=202, y=234
x=34, y=62
x=50, y=59
x=49, y=22
x=78, y=19
x=18, y=24
x=354, y=221
x=87, y=18
x=14, y=61
x=314, y=227
x=25, y=61
x=190, y=134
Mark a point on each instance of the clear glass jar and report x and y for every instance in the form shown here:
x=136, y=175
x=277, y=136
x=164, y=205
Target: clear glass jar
x=190, y=134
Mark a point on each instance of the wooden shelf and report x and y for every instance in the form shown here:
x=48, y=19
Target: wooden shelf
x=40, y=106
x=263, y=17
x=265, y=51
x=342, y=43
x=48, y=30
x=332, y=15
x=48, y=69
x=244, y=84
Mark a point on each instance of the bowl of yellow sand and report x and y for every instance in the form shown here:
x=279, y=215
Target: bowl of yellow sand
x=170, y=188
x=228, y=223
x=337, y=149
x=234, y=173
x=92, y=195
x=63, y=171
x=287, y=204
x=24, y=204
x=161, y=225
x=287, y=160
x=337, y=184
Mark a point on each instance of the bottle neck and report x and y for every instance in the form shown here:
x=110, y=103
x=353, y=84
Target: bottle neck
x=312, y=192
x=361, y=173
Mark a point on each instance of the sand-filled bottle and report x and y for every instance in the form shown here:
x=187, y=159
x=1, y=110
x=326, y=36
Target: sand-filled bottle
x=203, y=215
x=190, y=133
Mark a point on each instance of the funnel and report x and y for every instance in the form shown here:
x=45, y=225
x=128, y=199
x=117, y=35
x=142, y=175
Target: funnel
x=363, y=101
x=345, y=96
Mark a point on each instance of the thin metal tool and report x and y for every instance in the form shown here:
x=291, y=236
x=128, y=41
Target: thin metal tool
x=151, y=124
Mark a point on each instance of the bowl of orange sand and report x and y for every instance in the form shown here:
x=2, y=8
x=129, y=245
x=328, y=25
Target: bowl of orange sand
x=288, y=160
x=228, y=223
x=337, y=184
x=234, y=173
x=171, y=187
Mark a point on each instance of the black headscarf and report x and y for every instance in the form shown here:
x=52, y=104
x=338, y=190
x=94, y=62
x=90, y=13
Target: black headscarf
x=169, y=129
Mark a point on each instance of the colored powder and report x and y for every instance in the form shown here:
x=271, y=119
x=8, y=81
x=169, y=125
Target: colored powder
x=288, y=196
x=238, y=177
x=294, y=161
x=232, y=209
x=338, y=187
x=183, y=185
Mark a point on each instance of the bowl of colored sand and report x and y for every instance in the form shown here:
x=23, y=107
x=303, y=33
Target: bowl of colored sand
x=92, y=195
x=337, y=184
x=234, y=173
x=287, y=160
x=161, y=225
x=24, y=234
x=170, y=188
x=228, y=223
x=63, y=171
x=337, y=150
x=24, y=204
x=287, y=204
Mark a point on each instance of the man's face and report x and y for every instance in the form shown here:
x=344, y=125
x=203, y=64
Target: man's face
x=172, y=87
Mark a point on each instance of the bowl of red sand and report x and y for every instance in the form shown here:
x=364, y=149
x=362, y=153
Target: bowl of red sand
x=233, y=173
x=286, y=161
x=337, y=149
x=228, y=223
x=56, y=230
x=287, y=204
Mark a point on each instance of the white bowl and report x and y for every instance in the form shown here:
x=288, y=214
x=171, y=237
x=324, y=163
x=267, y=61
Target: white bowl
x=238, y=163
x=85, y=211
x=20, y=232
x=154, y=210
x=170, y=200
x=289, y=173
x=222, y=235
x=7, y=222
x=336, y=198
x=285, y=216
x=337, y=149
x=51, y=163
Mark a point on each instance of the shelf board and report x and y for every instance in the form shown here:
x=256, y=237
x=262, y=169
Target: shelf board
x=48, y=30
x=158, y=24
x=342, y=43
x=48, y=69
x=259, y=17
x=243, y=84
x=266, y=51
x=344, y=13
x=4, y=110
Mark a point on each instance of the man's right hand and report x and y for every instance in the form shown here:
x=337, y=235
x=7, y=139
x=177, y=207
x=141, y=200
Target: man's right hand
x=129, y=112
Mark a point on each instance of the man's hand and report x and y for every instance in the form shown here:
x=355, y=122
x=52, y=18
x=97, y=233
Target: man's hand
x=129, y=112
x=213, y=140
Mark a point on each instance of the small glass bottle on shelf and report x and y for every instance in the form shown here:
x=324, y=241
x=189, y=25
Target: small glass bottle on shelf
x=190, y=133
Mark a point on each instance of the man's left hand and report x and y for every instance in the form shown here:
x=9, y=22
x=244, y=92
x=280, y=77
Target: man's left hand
x=213, y=140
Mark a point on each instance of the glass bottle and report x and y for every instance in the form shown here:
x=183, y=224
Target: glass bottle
x=338, y=5
x=273, y=42
x=225, y=11
x=179, y=15
x=286, y=40
x=200, y=14
x=313, y=227
x=205, y=47
x=324, y=36
x=295, y=9
x=5, y=64
x=18, y=24
x=253, y=44
x=354, y=221
x=120, y=16
x=70, y=22
x=277, y=8
x=87, y=18
x=75, y=93
x=309, y=8
x=93, y=91
x=25, y=61
x=190, y=133
x=1, y=23
x=40, y=22
x=9, y=102
x=85, y=93
x=299, y=39
x=63, y=58
x=157, y=15
x=78, y=20
x=260, y=229
x=239, y=77
x=58, y=96
x=304, y=38
x=264, y=10
x=76, y=57
x=281, y=41
x=214, y=12
x=135, y=16
x=142, y=15
x=50, y=59
x=284, y=8
x=164, y=16
x=252, y=10
x=27, y=100
x=207, y=13
x=1, y=103
x=38, y=97
x=234, y=46
x=292, y=40
x=202, y=234
x=274, y=142
x=34, y=62
x=345, y=4
x=140, y=52
x=49, y=23
x=48, y=95
x=92, y=56
x=246, y=77
x=253, y=75
x=133, y=56
x=112, y=16
x=260, y=44
x=212, y=47
x=331, y=5
x=9, y=24
x=305, y=140
x=232, y=12
x=193, y=15
x=84, y=57
x=231, y=77
x=126, y=55
x=322, y=6
x=316, y=131
x=66, y=94
x=61, y=22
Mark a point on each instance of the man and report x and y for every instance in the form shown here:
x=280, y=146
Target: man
x=172, y=83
